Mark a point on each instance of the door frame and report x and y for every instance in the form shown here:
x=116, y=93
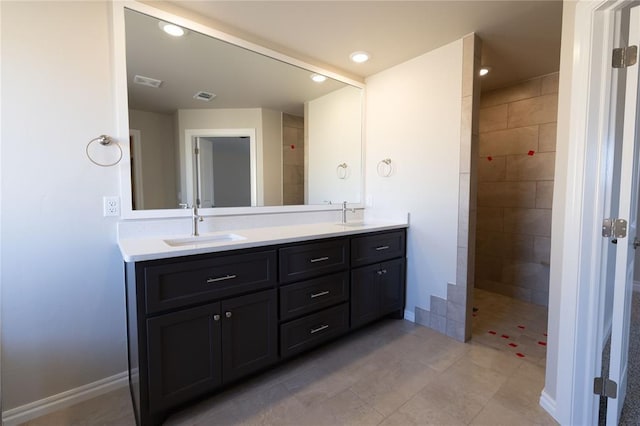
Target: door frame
x=580, y=202
x=189, y=163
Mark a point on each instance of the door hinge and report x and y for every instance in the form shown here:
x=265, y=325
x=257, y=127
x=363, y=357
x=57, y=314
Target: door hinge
x=624, y=57
x=605, y=387
x=196, y=151
x=615, y=227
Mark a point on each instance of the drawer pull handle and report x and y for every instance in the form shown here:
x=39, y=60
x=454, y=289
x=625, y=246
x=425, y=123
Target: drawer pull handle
x=216, y=317
x=382, y=248
x=227, y=314
x=319, y=259
x=215, y=280
x=322, y=293
x=322, y=327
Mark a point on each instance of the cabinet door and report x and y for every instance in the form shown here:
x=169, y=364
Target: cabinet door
x=249, y=339
x=391, y=285
x=365, y=295
x=184, y=355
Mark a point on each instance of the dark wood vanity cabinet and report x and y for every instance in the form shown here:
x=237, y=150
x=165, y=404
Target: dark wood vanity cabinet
x=197, y=323
x=377, y=289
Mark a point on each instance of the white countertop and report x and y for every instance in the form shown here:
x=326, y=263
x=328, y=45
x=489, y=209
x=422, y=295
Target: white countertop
x=150, y=248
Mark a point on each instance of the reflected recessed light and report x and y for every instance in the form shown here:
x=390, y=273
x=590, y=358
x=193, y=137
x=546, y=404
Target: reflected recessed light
x=318, y=78
x=484, y=71
x=171, y=29
x=359, y=57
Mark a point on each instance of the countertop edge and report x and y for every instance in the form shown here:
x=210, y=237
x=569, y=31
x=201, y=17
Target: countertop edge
x=133, y=250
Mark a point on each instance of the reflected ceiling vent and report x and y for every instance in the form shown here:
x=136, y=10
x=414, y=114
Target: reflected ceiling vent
x=204, y=96
x=147, y=81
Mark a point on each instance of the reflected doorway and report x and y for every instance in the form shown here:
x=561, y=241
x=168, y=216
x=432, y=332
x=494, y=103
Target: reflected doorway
x=224, y=171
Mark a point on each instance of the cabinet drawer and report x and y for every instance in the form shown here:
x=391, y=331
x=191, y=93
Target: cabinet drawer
x=308, y=296
x=377, y=247
x=184, y=283
x=311, y=260
x=307, y=332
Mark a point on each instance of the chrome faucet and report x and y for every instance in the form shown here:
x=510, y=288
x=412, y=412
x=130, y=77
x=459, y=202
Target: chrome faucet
x=195, y=218
x=344, y=211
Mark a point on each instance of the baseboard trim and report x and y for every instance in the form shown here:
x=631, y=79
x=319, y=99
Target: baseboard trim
x=62, y=400
x=409, y=316
x=636, y=286
x=549, y=405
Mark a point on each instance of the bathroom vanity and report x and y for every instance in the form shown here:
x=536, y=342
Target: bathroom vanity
x=201, y=317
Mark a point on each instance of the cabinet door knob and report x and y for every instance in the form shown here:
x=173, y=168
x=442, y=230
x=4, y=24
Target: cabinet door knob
x=216, y=317
x=227, y=314
x=379, y=272
x=384, y=271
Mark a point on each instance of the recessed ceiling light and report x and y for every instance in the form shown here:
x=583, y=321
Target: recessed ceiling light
x=359, y=57
x=171, y=29
x=318, y=78
x=484, y=71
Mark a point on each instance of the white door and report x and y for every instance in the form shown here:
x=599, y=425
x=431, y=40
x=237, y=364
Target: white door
x=627, y=209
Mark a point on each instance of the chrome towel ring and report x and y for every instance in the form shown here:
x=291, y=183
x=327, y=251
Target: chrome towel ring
x=104, y=140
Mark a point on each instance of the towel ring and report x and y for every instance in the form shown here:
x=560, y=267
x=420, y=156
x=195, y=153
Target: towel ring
x=103, y=140
x=385, y=168
x=341, y=171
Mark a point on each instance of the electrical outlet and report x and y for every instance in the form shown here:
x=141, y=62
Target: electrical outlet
x=111, y=206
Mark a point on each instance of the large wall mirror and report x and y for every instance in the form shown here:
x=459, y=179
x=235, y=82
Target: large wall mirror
x=216, y=124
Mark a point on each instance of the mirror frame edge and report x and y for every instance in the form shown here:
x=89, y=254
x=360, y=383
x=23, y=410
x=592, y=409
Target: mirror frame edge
x=121, y=101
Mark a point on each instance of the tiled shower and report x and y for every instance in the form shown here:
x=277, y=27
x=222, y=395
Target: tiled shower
x=515, y=189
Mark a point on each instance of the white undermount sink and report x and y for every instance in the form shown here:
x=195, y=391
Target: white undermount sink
x=204, y=239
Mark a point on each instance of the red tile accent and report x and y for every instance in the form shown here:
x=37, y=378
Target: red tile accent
x=520, y=355
x=513, y=345
x=491, y=332
x=542, y=343
x=504, y=336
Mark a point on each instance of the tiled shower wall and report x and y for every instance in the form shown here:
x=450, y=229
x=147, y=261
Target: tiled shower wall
x=292, y=160
x=515, y=188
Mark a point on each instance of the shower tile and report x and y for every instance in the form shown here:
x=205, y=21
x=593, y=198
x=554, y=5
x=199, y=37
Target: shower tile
x=493, y=118
x=526, y=274
x=518, y=247
x=542, y=249
x=524, y=90
x=528, y=221
x=422, y=316
x=490, y=218
x=508, y=142
x=550, y=83
x=547, y=137
x=543, y=109
x=488, y=268
x=544, y=194
x=438, y=306
x=506, y=194
x=493, y=169
x=540, y=166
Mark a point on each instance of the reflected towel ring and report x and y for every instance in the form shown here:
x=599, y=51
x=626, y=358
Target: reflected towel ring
x=341, y=171
x=104, y=140
x=385, y=168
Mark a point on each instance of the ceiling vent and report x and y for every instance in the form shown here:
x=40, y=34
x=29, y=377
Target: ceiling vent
x=147, y=81
x=204, y=96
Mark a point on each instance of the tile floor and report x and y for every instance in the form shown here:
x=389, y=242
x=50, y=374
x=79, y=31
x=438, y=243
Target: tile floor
x=391, y=373
x=511, y=325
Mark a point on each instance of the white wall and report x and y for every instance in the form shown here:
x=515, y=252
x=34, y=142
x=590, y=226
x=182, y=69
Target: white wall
x=63, y=320
x=333, y=132
x=268, y=126
x=413, y=114
x=158, y=160
x=559, y=200
x=240, y=118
